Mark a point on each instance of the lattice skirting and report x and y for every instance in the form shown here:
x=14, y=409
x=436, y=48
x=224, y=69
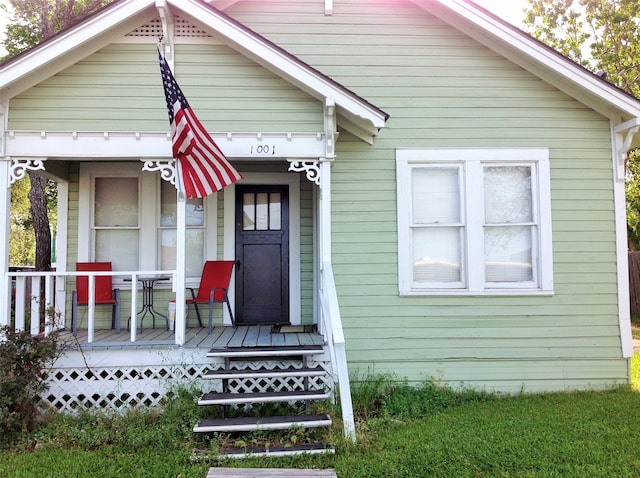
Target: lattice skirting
x=74, y=386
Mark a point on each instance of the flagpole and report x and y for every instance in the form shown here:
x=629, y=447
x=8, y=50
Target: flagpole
x=180, y=325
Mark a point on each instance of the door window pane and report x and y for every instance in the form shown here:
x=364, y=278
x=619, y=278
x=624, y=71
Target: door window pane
x=262, y=211
x=248, y=212
x=275, y=214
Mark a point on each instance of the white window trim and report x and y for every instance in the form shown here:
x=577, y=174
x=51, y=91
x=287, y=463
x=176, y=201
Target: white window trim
x=475, y=157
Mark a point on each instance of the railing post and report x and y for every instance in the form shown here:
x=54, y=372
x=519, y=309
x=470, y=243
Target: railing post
x=91, y=306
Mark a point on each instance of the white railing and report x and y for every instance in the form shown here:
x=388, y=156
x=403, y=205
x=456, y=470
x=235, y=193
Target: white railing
x=332, y=329
x=28, y=303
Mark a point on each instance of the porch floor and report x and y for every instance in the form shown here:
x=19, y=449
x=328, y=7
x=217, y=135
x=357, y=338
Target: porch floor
x=196, y=337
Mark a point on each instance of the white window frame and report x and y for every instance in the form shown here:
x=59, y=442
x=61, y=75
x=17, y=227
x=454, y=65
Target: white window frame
x=471, y=161
x=149, y=211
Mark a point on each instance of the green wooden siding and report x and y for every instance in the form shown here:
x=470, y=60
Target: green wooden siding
x=119, y=89
x=442, y=89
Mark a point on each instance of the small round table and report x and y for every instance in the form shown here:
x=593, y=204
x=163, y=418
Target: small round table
x=148, y=283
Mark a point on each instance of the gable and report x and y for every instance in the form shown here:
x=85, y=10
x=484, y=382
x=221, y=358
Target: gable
x=358, y=116
x=119, y=88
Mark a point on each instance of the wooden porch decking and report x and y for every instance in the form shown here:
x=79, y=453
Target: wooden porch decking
x=196, y=337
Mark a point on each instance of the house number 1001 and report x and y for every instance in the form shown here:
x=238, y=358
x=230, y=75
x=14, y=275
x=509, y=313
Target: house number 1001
x=263, y=149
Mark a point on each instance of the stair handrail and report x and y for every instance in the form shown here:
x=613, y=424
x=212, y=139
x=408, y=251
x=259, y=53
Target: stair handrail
x=334, y=335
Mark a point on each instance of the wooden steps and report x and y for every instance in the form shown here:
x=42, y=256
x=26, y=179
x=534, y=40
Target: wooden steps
x=261, y=397
x=278, y=373
x=246, y=424
x=254, y=366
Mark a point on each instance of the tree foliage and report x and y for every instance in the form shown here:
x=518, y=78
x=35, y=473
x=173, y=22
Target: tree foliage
x=603, y=36
x=34, y=21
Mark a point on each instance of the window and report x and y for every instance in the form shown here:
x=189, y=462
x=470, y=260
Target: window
x=116, y=225
x=474, y=221
x=195, y=234
x=128, y=217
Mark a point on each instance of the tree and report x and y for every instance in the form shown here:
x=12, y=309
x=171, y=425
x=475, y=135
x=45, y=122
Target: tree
x=603, y=36
x=32, y=22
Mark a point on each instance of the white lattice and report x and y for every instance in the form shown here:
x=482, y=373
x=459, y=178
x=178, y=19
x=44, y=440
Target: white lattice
x=118, y=388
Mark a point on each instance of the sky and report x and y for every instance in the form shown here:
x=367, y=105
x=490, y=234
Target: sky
x=509, y=10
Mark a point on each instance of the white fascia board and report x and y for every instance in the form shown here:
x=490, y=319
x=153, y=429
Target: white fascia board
x=278, y=62
x=534, y=57
x=67, y=48
x=131, y=144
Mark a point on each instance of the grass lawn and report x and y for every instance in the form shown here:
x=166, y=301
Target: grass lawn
x=464, y=435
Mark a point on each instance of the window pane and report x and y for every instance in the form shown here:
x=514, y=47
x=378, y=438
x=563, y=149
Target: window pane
x=262, y=211
x=507, y=194
x=116, y=202
x=436, y=254
x=195, y=250
x=168, y=204
x=435, y=195
x=275, y=216
x=248, y=212
x=118, y=246
x=508, y=256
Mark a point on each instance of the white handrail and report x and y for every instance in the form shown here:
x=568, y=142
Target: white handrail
x=49, y=299
x=332, y=328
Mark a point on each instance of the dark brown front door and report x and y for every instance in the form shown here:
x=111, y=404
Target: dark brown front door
x=262, y=255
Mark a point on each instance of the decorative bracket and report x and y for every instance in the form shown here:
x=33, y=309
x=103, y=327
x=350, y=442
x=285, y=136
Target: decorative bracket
x=311, y=168
x=167, y=168
x=19, y=167
x=330, y=128
x=628, y=129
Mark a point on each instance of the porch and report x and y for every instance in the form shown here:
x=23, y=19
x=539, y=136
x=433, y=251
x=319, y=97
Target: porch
x=221, y=337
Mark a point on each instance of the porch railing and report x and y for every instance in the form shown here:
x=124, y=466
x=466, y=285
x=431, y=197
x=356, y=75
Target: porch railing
x=332, y=329
x=27, y=299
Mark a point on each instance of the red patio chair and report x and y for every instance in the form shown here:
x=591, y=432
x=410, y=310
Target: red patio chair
x=214, y=287
x=104, y=293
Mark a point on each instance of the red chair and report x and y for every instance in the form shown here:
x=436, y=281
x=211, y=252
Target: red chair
x=104, y=293
x=214, y=287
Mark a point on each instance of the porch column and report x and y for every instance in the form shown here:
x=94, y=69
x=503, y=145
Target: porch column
x=5, y=202
x=181, y=266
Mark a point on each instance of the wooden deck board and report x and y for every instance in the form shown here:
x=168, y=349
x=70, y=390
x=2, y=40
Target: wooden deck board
x=238, y=337
x=251, y=340
x=196, y=337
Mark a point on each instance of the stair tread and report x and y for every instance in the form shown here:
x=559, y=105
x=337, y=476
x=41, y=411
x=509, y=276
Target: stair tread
x=275, y=372
x=215, y=397
x=273, y=422
x=276, y=450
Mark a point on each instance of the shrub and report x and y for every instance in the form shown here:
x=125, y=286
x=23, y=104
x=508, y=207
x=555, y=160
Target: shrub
x=24, y=359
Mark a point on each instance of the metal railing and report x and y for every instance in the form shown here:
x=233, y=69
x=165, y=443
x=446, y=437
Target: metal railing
x=332, y=329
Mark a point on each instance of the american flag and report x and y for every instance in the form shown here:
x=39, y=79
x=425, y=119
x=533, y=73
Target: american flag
x=202, y=167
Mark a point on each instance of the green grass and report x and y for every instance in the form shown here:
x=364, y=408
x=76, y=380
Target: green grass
x=402, y=432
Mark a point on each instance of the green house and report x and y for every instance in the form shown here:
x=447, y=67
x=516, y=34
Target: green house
x=427, y=189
